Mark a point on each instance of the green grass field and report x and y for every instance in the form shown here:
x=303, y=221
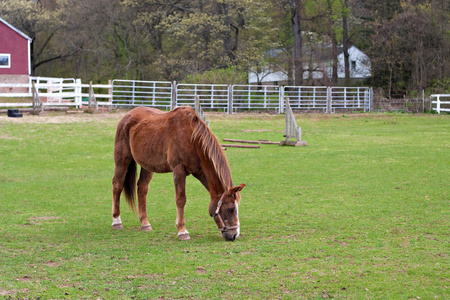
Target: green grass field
x=362, y=212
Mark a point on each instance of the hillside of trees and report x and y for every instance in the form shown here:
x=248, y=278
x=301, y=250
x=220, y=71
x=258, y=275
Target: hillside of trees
x=408, y=41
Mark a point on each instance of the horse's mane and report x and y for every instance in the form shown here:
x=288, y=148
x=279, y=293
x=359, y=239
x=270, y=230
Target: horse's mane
x=211, y=148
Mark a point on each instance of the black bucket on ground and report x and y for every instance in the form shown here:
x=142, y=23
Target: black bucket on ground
x=14, y=113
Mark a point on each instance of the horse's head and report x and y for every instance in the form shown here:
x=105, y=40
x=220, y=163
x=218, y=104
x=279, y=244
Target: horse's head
x=226, y=213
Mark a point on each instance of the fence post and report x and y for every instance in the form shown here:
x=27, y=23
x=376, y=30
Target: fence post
x=280, y=100
x=197, y=104
x=174, y=95
x=92, y=102
x=329, y=100
x=38, y=106
x=78, y=98
x=423, y=101
x=110, y=93
x=287, y=121
x=198, y=109
x=230, y=99
x=133, y=91
x=438, y=104
x=345, y=97
x=153, y=93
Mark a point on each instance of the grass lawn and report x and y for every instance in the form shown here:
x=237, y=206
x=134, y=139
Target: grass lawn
x=362, y=212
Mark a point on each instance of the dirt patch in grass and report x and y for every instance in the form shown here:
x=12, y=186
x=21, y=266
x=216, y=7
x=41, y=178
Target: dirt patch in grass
x=38, y=220
x=62, y=117
x=5, y=292
x=8, y=137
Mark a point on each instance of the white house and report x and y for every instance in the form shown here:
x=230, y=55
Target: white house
x=359, y=64
x=360, y=68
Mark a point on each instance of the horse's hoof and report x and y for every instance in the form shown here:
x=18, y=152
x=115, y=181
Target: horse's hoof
x=117, y=226
x=146, y=228
x=184, y=237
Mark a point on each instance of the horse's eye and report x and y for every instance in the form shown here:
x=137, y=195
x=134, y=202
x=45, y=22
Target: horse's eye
x=230, y=209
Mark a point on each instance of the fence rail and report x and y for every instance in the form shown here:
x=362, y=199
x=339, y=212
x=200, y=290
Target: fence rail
x=55, y=92
x=167, y=95
x=442, y=102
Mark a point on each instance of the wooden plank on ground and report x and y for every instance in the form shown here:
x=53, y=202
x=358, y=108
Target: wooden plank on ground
x=252, y=142
x=239, y=146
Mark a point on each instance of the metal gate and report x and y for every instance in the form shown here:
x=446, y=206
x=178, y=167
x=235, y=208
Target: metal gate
x=212, y=96
x=350, y=98
x=247, y=97
x=142, y=93
x=167, y=95
x=307, y=97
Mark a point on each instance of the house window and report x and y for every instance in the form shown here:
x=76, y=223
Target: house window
x=353, y=66
x=5, y=61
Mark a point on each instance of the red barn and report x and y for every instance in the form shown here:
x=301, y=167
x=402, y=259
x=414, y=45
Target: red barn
x=15, y=59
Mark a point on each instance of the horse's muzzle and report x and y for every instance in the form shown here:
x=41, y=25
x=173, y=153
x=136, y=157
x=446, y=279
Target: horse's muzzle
x=230, y=235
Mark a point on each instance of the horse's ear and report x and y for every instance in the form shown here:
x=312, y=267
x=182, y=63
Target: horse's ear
x=236, y=189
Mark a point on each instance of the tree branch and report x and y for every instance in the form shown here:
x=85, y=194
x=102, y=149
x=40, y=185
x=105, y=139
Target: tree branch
x=50, y=60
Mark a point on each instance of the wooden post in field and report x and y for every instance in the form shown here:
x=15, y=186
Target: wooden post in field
x=92, y=102
x=110, y=93
x=292, y=131
x=38, y=106
x=199, y=111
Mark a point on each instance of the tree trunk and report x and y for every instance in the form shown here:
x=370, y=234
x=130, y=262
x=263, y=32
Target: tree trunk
x=33, y=59
x=296, y=28
x=335, y=59
x=345, y=45
x=334, y=49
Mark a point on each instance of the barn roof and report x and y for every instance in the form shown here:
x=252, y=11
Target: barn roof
x=16, y=30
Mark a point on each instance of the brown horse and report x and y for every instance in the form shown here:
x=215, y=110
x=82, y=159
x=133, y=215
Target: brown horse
x=179, y=142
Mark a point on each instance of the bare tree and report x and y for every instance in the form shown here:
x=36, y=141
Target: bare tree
x=40, y=24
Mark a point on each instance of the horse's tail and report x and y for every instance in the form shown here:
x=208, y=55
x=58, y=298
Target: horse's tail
x=129, y=186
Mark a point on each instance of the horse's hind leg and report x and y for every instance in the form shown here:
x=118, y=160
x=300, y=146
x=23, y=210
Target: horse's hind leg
x=120, y=172
x=122, y=160
x=144, y=180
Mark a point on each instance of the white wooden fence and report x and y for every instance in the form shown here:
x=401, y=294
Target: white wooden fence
x=442, y=102
x=167, y=95
x=56, y=92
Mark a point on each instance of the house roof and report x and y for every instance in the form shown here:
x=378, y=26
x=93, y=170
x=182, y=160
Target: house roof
x=16, y=30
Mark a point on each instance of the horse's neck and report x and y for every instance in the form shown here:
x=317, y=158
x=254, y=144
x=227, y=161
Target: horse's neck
x=211, y=180
x=214, y=165
x=215, y=186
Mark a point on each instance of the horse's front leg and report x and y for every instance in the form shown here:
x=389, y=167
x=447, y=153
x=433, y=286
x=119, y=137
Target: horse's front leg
x=179, y=178
x=144, y=180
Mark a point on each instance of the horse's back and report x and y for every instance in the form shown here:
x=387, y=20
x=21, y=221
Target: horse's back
x=155, y=138
x=147, y=116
